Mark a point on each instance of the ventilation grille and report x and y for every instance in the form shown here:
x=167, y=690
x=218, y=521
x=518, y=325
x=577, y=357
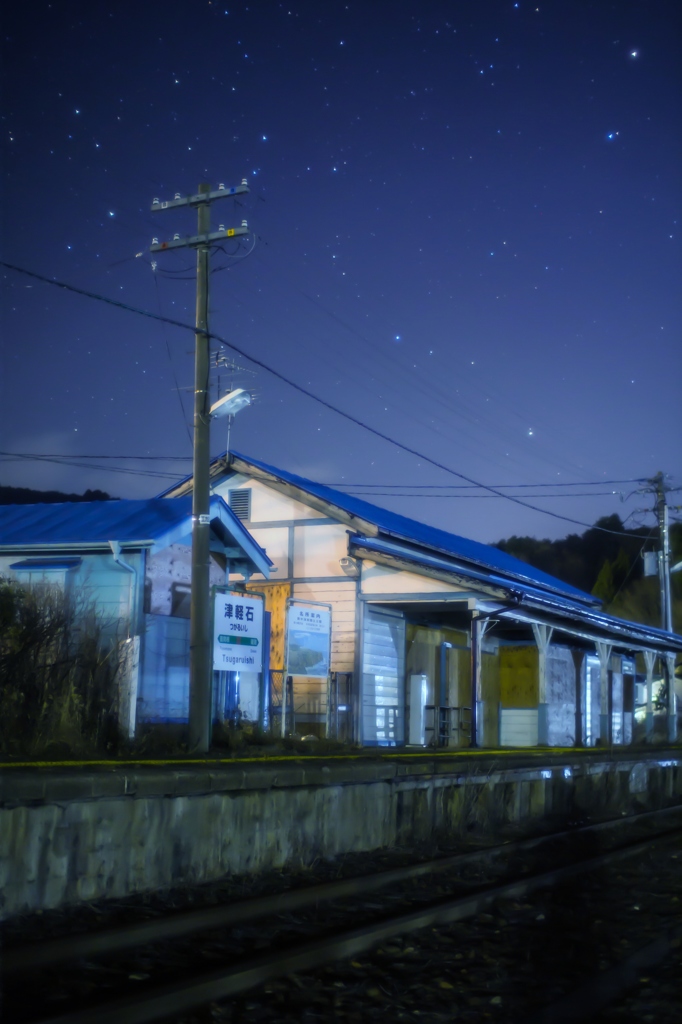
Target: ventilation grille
x=240, y=502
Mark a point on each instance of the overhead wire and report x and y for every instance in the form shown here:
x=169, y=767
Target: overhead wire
x=431, y=390
x=59, y=455
x=90, y=465
x=68, y=460
x=634, y=561
x=310, y=394
x=460, y=487
x=234, y=255
x=368, y=383
x=458, y=497
x=342, y=483
x=170, y=361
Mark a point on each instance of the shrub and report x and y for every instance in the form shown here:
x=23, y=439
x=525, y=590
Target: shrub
x=59, y=669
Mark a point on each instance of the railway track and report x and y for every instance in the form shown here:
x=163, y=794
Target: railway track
x=97, y=977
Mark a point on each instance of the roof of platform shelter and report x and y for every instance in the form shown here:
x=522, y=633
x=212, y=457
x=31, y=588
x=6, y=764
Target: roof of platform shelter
x=467, y=553
x=152, y=522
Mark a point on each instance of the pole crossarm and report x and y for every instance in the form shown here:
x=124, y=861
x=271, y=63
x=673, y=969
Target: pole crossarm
x=195, y=241
x=200, y=198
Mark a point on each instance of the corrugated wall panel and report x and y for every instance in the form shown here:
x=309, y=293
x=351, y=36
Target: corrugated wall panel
x=383, y=678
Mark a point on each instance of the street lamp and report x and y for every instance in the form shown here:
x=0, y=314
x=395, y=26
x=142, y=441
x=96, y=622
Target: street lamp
x=231, y=403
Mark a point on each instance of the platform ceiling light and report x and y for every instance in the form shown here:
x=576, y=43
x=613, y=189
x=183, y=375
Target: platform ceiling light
x=231, y=403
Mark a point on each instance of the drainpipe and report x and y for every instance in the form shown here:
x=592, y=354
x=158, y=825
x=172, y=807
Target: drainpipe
x=129, y=698
x=115, y=546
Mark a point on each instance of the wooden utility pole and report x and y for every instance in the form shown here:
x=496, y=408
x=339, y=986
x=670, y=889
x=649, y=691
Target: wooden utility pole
x=200, y=670
x=199, y=621
x=664, y=552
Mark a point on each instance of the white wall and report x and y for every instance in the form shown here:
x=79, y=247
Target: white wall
x=267, y=504
x=97, y=580
x=275, y=541
x=379, y=579
x=318, y=550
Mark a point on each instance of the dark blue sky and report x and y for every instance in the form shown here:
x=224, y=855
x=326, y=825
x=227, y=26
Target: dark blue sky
x=466, y=225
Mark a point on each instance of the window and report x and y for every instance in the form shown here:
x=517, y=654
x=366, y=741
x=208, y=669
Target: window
x=53, y=572
x=240, y=502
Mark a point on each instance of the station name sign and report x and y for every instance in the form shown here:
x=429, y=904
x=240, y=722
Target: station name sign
x=237, y=633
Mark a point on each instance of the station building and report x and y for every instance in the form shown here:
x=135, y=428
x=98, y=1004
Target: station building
x=437, y=639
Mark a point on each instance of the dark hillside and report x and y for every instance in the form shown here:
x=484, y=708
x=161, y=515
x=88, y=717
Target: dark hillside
x=27, y=496
x=608, y=566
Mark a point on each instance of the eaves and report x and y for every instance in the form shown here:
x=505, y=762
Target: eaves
x=443, y=574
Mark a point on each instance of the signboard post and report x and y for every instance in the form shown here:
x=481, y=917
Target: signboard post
x=308, y=645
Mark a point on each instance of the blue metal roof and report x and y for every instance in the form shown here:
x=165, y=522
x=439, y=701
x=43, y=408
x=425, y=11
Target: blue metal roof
x=91, y=522
x=471, y=552
x=128, y=522
x=529, y=596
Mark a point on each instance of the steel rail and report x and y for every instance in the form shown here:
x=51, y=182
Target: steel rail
x=183, y=996
x=603, y=989
x=54, y=951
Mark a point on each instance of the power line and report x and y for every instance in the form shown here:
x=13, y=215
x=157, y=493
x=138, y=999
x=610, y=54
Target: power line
x=461, y=497
x=348, y=486
x=100, y=298
x=463, y=487
x=69, y=460
x=170, y=361
x=85, y=465
x=313, y=396
x=57, y=455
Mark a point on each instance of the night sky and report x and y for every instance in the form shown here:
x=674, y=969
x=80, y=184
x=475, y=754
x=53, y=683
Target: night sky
x=466, y=233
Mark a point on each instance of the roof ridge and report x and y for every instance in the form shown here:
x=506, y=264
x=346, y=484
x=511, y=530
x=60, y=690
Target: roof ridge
x=502, y=562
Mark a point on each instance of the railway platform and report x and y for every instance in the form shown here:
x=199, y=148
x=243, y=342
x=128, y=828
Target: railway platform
x=72, y=832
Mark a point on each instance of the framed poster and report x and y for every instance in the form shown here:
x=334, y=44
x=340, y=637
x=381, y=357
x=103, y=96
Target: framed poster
x=308, y=640
x=237, y=633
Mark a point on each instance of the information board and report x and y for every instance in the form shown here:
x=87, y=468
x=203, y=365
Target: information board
x=308, y=638
x=237, y=633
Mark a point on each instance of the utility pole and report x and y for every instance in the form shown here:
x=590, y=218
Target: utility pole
x=666, y=596
x=200, y=671
x=664, y=553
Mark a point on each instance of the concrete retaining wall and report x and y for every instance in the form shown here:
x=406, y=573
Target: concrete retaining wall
x=72, y=835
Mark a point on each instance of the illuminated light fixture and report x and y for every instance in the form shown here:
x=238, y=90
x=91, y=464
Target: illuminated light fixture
x=231, y=403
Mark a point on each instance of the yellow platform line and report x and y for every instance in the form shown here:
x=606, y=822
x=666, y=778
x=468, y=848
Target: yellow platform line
x=267, y=759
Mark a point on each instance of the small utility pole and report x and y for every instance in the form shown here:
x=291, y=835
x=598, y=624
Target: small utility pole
x=666, y=596
x=200, y=672
x=664, y=553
